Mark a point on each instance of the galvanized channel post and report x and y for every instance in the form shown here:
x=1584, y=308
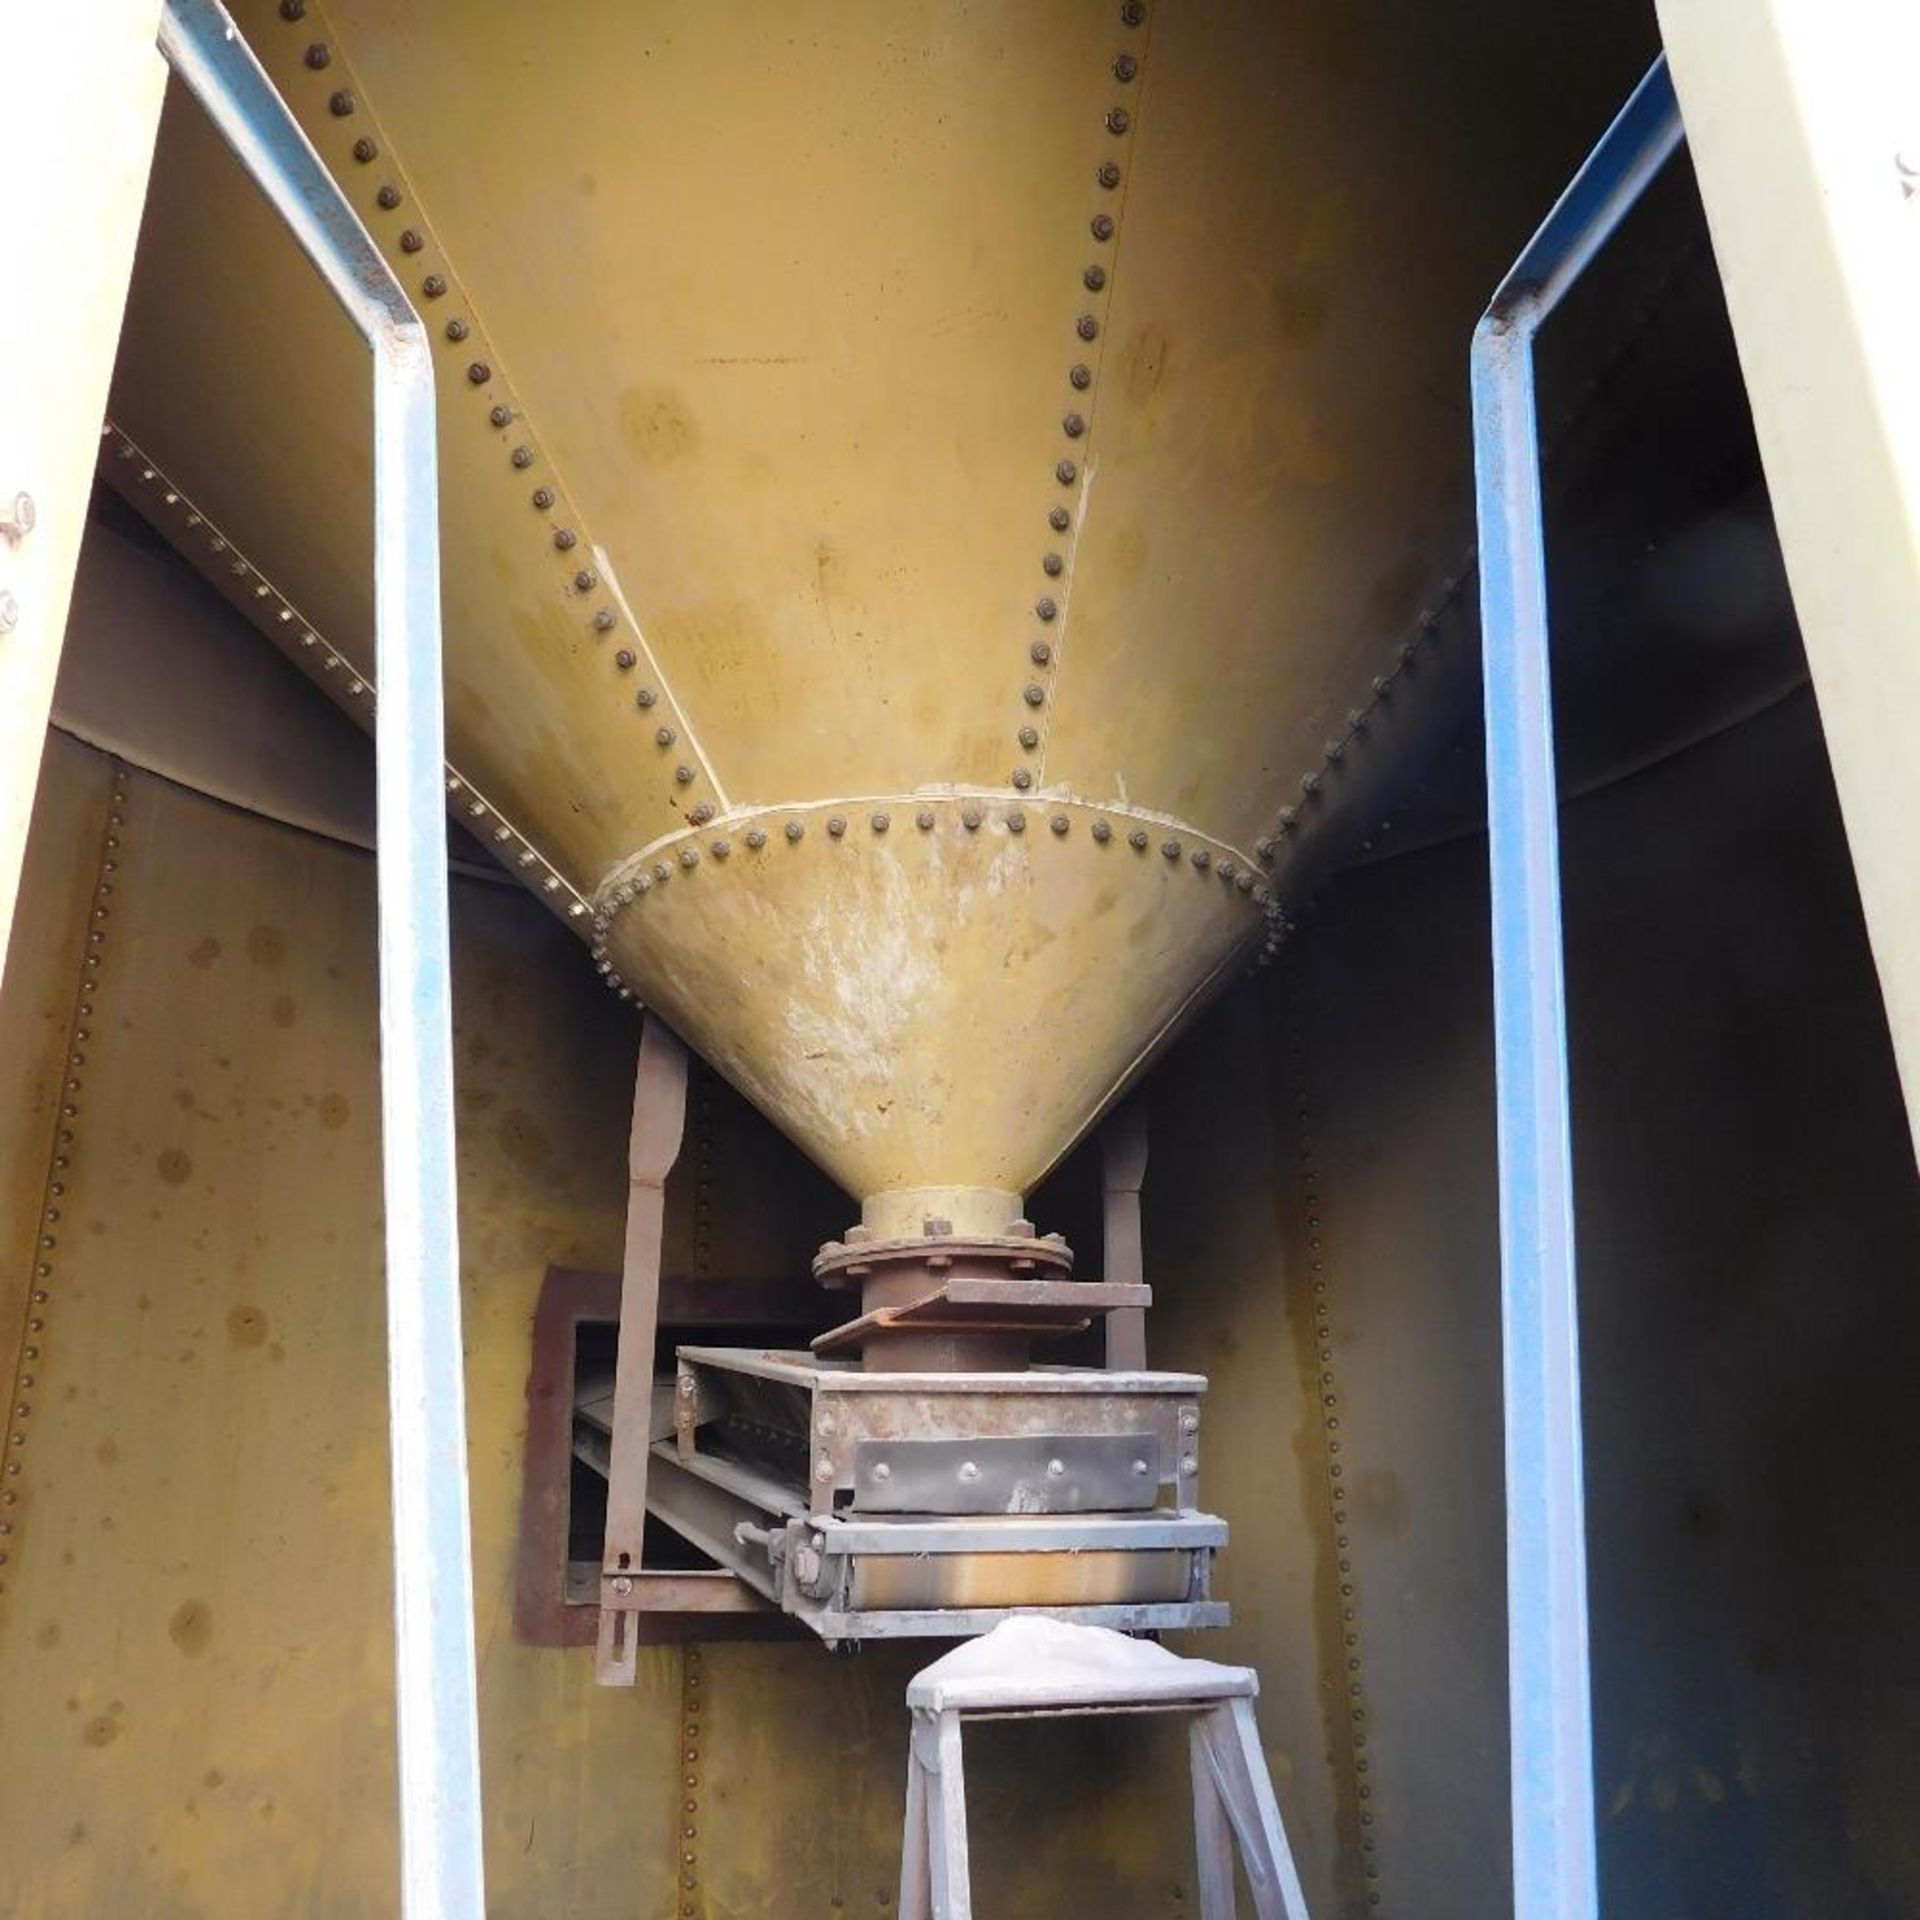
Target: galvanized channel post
x=1550, y=1711
x=439, y=1759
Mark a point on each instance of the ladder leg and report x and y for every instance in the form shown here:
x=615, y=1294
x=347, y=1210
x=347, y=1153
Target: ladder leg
x=1212, y=1837
x=1231, y=1744
x=916, y=1881
x=947, y=1825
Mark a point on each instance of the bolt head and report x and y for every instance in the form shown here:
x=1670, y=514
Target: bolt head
x=9, y=612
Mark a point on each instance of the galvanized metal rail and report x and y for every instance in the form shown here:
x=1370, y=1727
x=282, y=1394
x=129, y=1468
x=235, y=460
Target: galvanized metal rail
x=1550, y=1709
x=439, y=1759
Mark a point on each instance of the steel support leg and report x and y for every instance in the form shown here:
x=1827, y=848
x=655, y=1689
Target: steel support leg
x=659, y=1121
x=1123, y=1162
x=1550, y=1712
x=434, y=1683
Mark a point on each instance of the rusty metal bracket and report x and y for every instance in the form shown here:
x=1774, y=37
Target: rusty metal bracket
x=659, y=1122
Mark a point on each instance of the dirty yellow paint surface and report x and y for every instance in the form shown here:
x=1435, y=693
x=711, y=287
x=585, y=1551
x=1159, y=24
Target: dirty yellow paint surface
x=878, y=400
x=194, y=1627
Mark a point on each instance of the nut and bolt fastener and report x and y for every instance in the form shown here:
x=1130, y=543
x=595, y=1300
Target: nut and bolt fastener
x=1087, y=327
x=521, y=457
x=1189, y=1422
x=388, y=197
x=1073, y=425
x=824, y=1471
x=1094, y=279
x=318, y=56
x=1066, y=473
x=686, y=1386
x=456, y=329
x=1125, y=68
x=880, y=823
x=1119, y=120
x=1046, y=609
x=1055, y=1468
x=794, y=830
x=1201, y=859
x=836, y=825
x=1034, y=696
x=1140, y=1467
x=1059, y=519
x=19, y=519
x=1023, y=780
x=1017, y=822
x=364, y=150
x=1081, y=377
x=664, y=737
x=1029, y=737
x=1189, y=1466
x=603, y=621
x=565, y=539
x=340, y=105
x=501, y=416
x=1101, y=832
x=970, y=818
x=924, y=820
x=683, y=776
x=756, y=838
x=542, y=497
x=583, y=581
x=883, y=1471
x=623, y=1585
x=433, y=286
x=968, y=1471
x=1132, y=13
x=1051, y=565
x=1108, y=175
x=645, y=697
x=1101, y=226
x=1058, y=823
x=411, y=242
x=624, y=659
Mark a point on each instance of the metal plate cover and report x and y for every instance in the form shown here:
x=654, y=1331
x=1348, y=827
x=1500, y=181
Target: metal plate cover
x=1039, y=1473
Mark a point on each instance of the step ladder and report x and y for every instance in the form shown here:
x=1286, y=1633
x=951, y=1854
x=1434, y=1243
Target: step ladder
x=1032, y=1667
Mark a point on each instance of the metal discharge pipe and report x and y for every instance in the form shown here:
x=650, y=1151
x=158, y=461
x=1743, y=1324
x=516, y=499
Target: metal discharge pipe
x=439, y=1758
x=1549, y=1705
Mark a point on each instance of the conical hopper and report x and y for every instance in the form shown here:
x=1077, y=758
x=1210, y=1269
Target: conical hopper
x=930, y=494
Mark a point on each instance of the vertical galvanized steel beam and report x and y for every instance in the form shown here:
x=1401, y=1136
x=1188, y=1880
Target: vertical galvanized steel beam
x=439, y=1759
x=1550, y=1711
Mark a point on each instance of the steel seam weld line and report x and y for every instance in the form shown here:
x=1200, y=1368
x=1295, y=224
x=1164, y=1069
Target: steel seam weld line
x=1554, y=1875
x=439, y=1767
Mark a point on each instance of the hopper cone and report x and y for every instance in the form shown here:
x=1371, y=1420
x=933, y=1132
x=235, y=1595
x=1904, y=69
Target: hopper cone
x=921, y=484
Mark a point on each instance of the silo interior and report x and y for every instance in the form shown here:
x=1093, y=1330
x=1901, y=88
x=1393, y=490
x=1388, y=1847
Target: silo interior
x=754, y=288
